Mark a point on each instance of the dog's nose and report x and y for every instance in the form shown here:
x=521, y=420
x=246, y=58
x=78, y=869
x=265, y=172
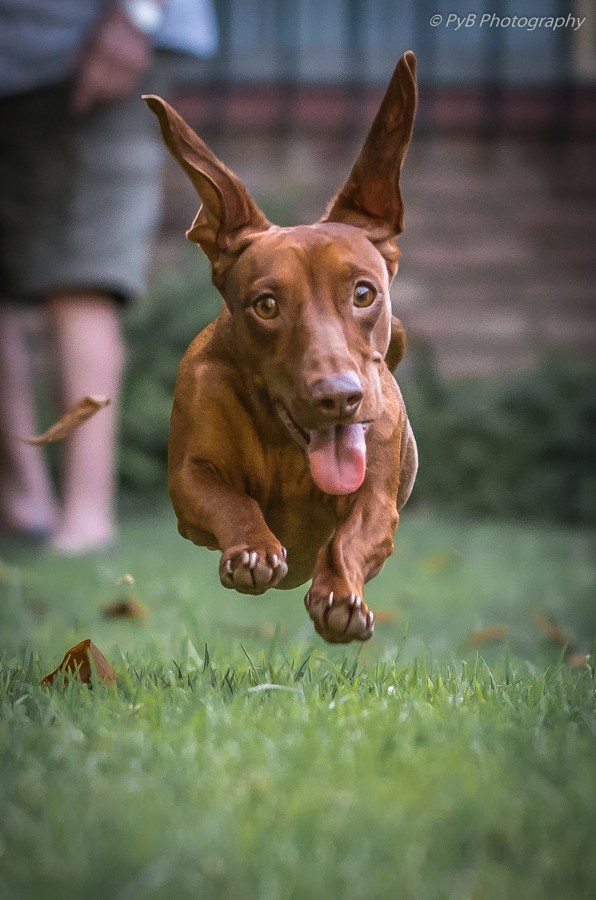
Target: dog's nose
x=337, y=396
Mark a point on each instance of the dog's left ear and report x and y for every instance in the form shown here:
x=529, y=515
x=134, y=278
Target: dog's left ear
x=228, y=213
x=371, y=197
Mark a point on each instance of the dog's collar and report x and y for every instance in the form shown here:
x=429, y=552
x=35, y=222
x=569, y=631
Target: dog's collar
x=301, y=437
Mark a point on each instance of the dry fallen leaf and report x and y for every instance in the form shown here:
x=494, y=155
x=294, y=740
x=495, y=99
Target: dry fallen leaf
x=125, y=608
x=6, y=573
x=578, y=661
x=70, y=421
x=488, y=635
x=125, y=579
x=551, y=629
x=440, y=562
x=574, y=658
x=386, y=615
x=258, y=631
x=77, y=660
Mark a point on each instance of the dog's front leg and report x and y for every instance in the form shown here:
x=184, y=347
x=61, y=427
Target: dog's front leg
x=354, y=555
x=211, y=511
x=362, y=542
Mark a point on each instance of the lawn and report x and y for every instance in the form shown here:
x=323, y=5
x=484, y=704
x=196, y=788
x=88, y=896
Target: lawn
x=238, y=756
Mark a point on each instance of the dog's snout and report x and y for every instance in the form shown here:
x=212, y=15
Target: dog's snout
x=337, y=396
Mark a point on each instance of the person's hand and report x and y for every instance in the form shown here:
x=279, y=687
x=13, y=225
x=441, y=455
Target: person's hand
x=111, y=63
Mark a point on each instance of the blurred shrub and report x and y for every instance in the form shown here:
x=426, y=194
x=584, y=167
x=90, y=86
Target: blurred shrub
x=181, y=302
x=524, y=445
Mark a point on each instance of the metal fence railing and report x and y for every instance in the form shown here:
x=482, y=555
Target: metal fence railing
x=324, y=62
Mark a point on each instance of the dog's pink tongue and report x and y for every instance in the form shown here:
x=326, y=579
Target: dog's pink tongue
x=338, y=458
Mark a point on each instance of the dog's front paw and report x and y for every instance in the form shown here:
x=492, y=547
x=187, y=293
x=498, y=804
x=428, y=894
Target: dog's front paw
x=253, y=571
x=340, y=617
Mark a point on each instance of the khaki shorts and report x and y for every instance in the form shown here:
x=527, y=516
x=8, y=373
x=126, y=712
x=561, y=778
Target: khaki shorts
x=79, y=196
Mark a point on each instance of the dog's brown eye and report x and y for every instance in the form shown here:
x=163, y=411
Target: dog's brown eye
x=364, y=295
x=266, y=307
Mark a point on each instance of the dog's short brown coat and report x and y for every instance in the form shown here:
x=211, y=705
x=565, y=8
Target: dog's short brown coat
x=290, y=448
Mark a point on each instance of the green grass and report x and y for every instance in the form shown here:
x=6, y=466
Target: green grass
x=238, y=756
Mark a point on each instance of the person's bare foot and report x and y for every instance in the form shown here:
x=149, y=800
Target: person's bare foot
x=27, y=501
x=26, y=514
x=88, y=537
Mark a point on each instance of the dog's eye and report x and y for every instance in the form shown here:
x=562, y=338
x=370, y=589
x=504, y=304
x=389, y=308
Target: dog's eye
x=266, y=307
x=364, y=295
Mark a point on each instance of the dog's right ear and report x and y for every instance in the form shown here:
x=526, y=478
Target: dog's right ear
x=371, y=197
x=228, y=212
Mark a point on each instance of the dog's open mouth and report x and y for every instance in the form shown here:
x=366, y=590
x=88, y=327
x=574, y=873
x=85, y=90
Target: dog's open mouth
x=336, y=453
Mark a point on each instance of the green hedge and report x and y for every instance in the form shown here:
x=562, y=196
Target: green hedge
x=158, y=330
x=522, y=445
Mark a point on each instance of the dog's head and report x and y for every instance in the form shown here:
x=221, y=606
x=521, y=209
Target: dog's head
x=310, y=308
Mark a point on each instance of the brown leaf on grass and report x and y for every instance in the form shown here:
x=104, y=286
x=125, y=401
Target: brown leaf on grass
x=386, y=615
x=441, y=562
x=125, y=579
x=257, y=631
x=488, y=635
x=6, y=573
x=125, y=608
x=551, y=629
x=70, y=421
x=77, y=661
x=578, y=661
x=36, y=606
x=561, y=638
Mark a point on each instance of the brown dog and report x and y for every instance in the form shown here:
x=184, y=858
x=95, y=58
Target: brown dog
x=290, y=449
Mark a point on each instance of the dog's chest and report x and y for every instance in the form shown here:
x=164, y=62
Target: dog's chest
x=296, y=511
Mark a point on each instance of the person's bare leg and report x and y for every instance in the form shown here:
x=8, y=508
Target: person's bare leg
x=27, y=502
x=90, y=357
